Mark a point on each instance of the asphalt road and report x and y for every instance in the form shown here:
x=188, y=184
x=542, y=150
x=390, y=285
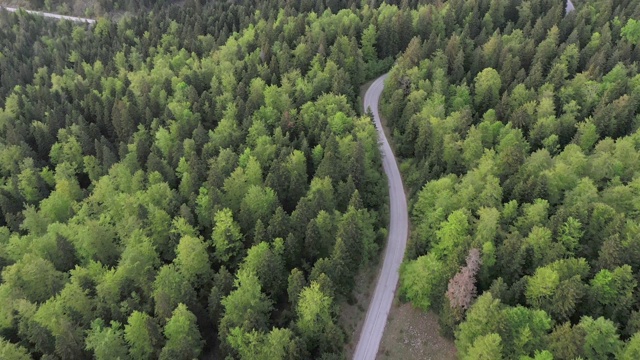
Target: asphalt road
x=376, y=320
x=53, y=16
x=569, y=8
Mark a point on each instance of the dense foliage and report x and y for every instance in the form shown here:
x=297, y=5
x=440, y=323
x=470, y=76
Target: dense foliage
x=198, y=178
x=520, y=134
x=170, y=190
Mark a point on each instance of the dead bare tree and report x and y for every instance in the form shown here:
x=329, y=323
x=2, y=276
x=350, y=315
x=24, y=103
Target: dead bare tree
x=462, y=287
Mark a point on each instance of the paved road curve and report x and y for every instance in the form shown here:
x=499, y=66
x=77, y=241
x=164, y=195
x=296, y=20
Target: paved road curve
x=53, y=16
x=376, y=320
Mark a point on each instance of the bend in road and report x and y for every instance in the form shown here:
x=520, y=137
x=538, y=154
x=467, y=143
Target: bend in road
x=378, y=312
x=50, y=15
x=376, y=319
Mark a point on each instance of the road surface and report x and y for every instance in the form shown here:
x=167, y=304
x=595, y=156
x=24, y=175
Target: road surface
x=569, y=7
x=376, y=320
x=50, y=15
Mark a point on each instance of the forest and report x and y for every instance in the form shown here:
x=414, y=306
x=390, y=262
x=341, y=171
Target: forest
x=199, y=180
x=170, y=190
x=518, y=126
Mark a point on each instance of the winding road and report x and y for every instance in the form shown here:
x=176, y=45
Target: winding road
x=376, y=320
x=378, y=312
x=50, y=15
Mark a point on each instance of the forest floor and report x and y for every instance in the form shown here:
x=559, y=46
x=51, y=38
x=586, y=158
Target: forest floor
x=352, y=315
x=363, y=90
x=414, y=334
